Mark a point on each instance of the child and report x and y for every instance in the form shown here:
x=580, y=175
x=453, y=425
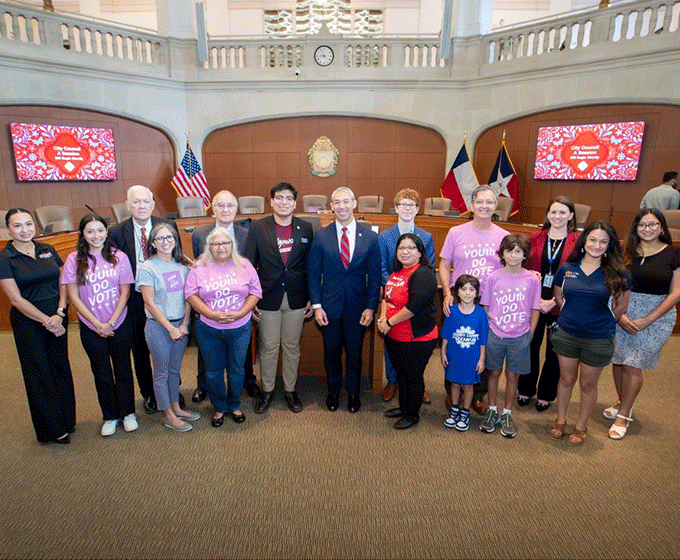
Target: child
x=512, y=299
x=463, y=359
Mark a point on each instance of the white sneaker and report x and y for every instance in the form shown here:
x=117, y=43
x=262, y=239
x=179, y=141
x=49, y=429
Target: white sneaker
x=130, y=423
x=109, y=427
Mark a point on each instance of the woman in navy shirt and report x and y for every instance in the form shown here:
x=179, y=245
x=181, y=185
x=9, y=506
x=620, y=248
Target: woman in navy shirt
x=592, y=289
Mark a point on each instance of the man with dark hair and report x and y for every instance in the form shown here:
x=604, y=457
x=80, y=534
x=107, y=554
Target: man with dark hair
x=665, y=196
x=278, y=247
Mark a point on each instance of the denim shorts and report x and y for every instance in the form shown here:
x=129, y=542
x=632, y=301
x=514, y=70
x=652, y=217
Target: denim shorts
x=515, y=352
x=594, y=352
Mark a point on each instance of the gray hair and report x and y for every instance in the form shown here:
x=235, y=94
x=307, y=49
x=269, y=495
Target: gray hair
x=346, y=189
x=482, y=188
x=206, y=256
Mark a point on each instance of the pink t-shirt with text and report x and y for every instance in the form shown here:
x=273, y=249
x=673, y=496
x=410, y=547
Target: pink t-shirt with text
x=223, y=287
x=511, y=298
x=101, y=290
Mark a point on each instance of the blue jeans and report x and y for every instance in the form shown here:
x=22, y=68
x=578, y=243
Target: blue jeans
x=224, y=348
x=167, y=355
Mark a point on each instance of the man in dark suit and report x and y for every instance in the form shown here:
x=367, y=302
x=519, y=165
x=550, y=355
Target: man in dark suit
x=225, y=206
x=131, y=236
x=278, y=247
x=344, y=289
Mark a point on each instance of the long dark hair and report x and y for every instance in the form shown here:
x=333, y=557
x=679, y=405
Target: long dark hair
x=424, y=261
x=611, y=263
x=83, y=255
x=177, y=254
x=571, y=225
x=630, y=250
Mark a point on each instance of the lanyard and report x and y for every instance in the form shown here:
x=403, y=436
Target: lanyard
x=551, y=256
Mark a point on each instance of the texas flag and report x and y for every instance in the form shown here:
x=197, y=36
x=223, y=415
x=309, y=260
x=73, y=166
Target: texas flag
x=460, y=182
x=503, y=178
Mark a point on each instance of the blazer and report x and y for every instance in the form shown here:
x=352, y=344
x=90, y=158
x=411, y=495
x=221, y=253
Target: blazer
x=200, y=234
x=538, y=240
x=339, y=291
x=277, y=279
x=123, y=235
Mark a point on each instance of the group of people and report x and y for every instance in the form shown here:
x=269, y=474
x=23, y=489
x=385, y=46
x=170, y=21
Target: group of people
x=135, y=290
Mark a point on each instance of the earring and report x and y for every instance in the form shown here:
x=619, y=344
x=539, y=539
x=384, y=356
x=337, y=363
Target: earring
x=605, y=253
x=582, y=250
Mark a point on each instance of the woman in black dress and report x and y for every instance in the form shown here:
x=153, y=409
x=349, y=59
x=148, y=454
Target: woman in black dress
x=29, y=275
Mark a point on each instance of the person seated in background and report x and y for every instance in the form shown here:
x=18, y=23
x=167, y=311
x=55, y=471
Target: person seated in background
x=225, y=206
x=665, y=196
x=406, y=203
x=278, y=247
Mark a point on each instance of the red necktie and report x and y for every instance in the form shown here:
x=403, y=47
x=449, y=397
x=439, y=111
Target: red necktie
x=344, y=248
x=145, y=244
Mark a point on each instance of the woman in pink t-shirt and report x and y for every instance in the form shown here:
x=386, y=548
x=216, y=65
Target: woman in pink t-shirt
x=223, y=289
x=98, y=278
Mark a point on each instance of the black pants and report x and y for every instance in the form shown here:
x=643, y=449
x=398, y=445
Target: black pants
x=140, y=351
x=550, y=373
x=47, y=376
x=115, y=385
x=409, y=360
x=347, y=333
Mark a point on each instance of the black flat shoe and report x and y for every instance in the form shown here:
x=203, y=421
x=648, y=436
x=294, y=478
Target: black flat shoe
x=405, y=423
x=393, y=413
x=217, y=422
x=523, y=401
x=332, y=403
x=354, y=404
x=149, y=405
x=542, y=407
x=238, y=418
x=198, y=396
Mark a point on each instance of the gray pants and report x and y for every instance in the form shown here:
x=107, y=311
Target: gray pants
x=167, y=356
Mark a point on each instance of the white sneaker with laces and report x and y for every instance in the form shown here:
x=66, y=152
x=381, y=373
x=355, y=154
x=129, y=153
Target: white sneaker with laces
x=130, y=423
x=109, y=427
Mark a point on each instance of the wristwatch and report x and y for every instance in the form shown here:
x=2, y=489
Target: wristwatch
x=61, y=312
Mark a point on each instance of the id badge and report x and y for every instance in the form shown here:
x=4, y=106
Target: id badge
x=548, y=281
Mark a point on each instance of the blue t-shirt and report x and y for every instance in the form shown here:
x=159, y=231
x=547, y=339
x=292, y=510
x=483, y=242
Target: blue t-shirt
x=587, y=310
x=465, y=334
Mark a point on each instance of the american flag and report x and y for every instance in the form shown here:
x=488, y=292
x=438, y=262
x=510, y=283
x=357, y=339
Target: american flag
x=190, y=180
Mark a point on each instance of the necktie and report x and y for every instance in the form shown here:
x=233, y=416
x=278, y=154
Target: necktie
x=344, y=248
x=145, y=244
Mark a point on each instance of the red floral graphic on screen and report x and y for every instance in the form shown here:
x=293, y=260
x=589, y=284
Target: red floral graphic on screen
x=601, y=152
x=63, y=153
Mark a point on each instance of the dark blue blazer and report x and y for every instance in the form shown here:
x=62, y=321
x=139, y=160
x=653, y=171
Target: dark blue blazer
x=339, y=291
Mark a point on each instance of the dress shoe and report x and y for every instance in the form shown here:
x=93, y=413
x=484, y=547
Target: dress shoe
x=354, y=403
x=264, y=403
x=480, y=407
x=388, y=392
x=426, y=398
x=393, y=413
x=238, y=418
x=293, y=401
x=253, y=390
x=149, y=405
x=332, y=403
x=181, y=401
x=542, y=407
x=217, y=422
x=198, y=396
x=404, y=423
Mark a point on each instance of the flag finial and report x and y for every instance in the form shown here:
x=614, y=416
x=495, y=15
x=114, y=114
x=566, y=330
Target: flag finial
x=503, y=135
x=464, y=136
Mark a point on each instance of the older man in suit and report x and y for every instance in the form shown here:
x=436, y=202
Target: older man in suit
x=344, y=289
x=225, y=206
x=278, y=246
x=131, y=236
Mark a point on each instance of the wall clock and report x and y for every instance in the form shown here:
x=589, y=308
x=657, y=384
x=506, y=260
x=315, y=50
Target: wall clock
x=324, y=55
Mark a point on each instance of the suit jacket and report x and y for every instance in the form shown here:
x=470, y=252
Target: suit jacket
x=123, y=235
x=200, y=234
x=341, y=291
x=277, y=279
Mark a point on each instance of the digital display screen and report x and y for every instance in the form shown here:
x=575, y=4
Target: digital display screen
x=589, y=152
x=44, y=152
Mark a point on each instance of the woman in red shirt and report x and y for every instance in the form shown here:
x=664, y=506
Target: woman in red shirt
x=408, y=321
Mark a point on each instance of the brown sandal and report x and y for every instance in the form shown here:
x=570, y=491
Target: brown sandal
x=557, y=430
x=577, y=437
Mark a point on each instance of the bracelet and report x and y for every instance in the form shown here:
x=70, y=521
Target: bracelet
x=61, y=312
x=113, y=325
x=388, y=323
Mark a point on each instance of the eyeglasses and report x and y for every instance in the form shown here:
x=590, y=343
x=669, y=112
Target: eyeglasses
x=407, y=205
x=409, y=248
x=219, y=244
x=164, y=238
x=222, y=206
x=280, y=198
x=648, y=225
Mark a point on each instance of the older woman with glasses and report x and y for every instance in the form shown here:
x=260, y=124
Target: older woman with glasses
x=223, y=289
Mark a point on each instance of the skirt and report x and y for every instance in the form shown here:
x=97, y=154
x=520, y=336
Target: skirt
x=642, y=350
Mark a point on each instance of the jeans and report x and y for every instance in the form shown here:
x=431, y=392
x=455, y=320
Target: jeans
x=224, y=348
x=167, y=356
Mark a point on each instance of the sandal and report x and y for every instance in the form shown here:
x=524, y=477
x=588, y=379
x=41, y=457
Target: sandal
x=577, y=437
x=618, y=432
x=611, y=412
x=557, y=430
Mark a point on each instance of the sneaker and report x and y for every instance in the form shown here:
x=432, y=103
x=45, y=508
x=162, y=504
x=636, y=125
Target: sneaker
x=109, y=427
x=507, y=426
x=463, y=423
x=488, y=425
x=453, y=417
x=130, y=422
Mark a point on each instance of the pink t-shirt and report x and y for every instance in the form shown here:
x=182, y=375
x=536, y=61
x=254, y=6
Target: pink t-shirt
x=511, y=298
x=223, y=288
x=101, y=290
x=473, y=251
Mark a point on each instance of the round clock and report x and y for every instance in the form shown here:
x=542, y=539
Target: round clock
x=324, y=55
